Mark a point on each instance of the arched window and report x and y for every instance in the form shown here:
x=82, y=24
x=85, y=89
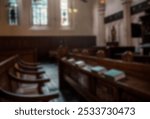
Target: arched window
x=13, y=12
x=39, y=12
x=64, y=10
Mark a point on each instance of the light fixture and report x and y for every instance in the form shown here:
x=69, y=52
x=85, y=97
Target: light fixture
x=72, y=9
x=102, y=5
x=75, y=10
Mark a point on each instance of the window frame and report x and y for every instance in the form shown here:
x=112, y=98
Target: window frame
x=68, y=15
x=71, y=16
x=17, y=15
x=42, y=26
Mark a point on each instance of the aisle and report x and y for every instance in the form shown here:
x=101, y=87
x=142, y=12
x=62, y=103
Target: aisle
x=65, y=95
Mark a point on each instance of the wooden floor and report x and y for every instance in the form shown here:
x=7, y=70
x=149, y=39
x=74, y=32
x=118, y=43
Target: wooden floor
x=66, y=95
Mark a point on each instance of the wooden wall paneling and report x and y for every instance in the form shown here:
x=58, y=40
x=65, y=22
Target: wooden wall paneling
x=44, y=43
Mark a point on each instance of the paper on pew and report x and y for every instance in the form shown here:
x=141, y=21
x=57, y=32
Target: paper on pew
x=80, y=63
x=64, y=58
x=71, y=60
x=87, y=68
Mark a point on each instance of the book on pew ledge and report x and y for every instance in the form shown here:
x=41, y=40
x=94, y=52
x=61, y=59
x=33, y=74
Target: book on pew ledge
x=115, y=74
x=64, y=58
x=98, y=69
x=71, y=60
x=80, y=64
x=87, y=68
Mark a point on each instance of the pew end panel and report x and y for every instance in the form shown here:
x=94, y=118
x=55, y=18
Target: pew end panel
x=14, y=88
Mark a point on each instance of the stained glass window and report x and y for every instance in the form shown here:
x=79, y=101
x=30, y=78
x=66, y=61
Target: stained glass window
x=39, y=12
x=64, y=13
x=13, y=12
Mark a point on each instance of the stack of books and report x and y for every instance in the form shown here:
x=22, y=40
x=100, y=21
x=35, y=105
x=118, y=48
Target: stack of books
x=87, y=68
x=115, y=74
x=71, y=60
x=64, y=58
x=98, y=69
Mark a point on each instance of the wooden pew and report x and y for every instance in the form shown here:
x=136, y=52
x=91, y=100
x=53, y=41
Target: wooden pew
x=127, y=56
x=12, y=86
x=110, y=52
x=120, y=53
x=101, y=54
x=29, y=67
x=137, y=58
x=136, y=87
x=29, y=64
x=26, y=71
x=58, y=53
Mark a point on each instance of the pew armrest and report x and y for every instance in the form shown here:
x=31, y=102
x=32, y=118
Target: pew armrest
x=37, y=73
x=26, y=67
x=28, y=63
x=23, y=80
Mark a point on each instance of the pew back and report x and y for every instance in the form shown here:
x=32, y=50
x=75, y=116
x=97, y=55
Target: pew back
x=138, y=70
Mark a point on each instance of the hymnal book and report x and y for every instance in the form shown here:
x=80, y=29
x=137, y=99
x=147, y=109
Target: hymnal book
x=98, y=69
x=80, y=63
x=64, y=58
x=71, y=60
x=87, y=68
x=115, y=74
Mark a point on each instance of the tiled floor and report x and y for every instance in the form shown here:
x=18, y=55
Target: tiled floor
x=65, y=95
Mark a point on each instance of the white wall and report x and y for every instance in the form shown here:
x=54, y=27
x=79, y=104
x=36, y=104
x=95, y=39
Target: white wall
x=134, y=2
x=112, y=7
x=82, y=20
